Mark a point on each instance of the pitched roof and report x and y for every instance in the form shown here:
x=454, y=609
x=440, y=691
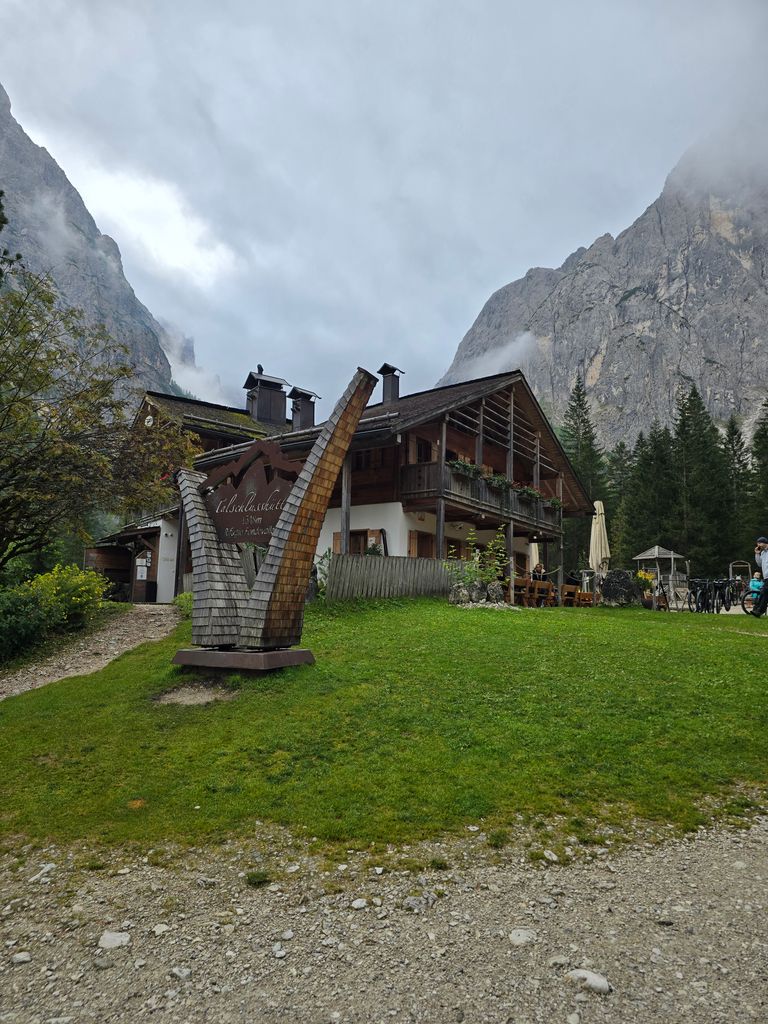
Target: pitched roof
x=657, y=552
x=207, y=415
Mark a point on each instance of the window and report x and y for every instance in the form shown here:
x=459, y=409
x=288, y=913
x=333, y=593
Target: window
x=361, y=460
x=358, y=542
x=423, y=450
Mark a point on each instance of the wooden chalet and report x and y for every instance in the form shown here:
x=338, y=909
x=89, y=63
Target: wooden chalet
x=421, y=471
x=424, y=468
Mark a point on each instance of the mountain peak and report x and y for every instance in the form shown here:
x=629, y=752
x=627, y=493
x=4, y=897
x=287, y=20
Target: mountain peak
x=680, y=296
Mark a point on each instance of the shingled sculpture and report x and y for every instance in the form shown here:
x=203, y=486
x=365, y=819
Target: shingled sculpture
x=242, y=626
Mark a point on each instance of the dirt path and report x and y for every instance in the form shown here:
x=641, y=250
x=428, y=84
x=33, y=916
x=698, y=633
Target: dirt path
x=91, y=651
x=678, y=932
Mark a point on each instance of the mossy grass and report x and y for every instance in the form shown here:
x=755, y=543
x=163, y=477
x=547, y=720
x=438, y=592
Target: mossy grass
x=417, y=719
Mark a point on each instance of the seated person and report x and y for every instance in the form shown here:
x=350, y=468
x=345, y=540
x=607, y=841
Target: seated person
x=756, y=584
x=538, y=572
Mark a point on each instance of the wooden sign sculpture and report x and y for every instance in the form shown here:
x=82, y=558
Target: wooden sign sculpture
x=259, y=497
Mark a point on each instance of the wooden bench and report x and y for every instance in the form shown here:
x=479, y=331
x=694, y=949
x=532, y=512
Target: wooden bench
x=568, y=594
x=542, y=593
x=522, y=591
x=584, y=599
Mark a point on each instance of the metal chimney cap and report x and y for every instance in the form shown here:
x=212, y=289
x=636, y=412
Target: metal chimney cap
x=386, y=368
x=301, y=393
x=261, y=378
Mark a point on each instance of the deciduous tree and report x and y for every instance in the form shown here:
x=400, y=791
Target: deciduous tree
x=68, y=443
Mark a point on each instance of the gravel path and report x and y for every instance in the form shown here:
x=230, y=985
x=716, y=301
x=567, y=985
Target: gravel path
x=678, y=930
x=90, y=651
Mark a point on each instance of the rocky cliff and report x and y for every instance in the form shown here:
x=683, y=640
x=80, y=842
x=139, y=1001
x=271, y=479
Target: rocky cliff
x=680, y=297
x=50, y=226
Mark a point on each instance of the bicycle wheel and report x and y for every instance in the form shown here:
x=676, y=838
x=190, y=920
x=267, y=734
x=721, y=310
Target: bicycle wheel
x=702, y=599
x=717, y=600
x=691, y=601
x=748, y=602
x=727, y=597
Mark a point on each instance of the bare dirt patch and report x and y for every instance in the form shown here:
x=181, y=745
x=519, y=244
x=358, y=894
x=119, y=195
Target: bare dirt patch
x=199, y=693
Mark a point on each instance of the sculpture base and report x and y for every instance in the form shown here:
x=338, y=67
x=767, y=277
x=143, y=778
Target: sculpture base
x=234, y=658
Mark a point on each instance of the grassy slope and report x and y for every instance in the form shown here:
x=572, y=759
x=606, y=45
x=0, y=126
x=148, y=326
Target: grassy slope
x=418, y=717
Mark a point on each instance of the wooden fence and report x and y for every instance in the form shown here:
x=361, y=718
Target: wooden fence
x=353, y=576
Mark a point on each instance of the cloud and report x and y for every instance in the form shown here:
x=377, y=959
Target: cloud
x=198, y=380
x=510, y=355
x=147, y=216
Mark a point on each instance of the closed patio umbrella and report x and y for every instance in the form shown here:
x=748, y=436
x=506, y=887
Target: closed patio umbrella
x=533, y=555
x=599, y=552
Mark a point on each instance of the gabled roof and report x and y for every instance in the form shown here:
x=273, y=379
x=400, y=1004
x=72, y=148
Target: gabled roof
x=657, y=552
x=199, y=415
x=422, y=406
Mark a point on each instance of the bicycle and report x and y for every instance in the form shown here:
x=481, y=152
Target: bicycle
x=699, y=597
x=749, y=600
x=721, y=595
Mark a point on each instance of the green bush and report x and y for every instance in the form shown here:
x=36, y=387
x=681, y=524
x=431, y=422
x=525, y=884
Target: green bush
x=184, y=603
x=68, y=595
x=64, y=598
x=22, y=621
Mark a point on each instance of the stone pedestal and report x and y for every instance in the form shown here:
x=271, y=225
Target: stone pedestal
x=241, y=659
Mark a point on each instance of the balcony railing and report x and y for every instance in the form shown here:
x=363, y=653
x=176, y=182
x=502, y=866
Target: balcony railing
x=435, y=479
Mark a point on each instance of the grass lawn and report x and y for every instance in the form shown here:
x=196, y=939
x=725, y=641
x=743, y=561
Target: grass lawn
x=418, y=718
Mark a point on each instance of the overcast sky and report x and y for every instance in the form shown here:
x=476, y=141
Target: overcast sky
x=317, y=184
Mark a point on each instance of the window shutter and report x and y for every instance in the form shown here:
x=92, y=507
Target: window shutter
x=413, y=543
x=337, y=543
x=374, y=537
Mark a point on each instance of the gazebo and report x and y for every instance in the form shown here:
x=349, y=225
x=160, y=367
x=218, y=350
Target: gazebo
x=658, y=554
x=677, y=583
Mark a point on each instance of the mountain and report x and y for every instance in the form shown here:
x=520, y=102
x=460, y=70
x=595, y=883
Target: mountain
x=678, y=298
x=50, y=226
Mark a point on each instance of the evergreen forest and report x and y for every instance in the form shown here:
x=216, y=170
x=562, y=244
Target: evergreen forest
x=688, y=485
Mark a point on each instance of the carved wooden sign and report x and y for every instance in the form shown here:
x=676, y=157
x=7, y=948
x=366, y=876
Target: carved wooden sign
x=242, y=625
x=246, y=497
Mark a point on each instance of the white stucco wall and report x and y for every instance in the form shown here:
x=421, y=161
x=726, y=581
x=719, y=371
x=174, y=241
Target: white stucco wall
x=166, y=560
x=390, y=517
x=387, y=516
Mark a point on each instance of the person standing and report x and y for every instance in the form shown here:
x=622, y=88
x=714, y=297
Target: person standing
x=761, y=560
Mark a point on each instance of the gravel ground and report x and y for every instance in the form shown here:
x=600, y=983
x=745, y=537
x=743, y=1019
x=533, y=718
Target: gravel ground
x=678, y=930
x=92, y=650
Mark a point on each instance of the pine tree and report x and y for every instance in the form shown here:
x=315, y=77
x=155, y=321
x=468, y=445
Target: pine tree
x=649, y=496
x=700, y=519
x=740, y=491
x=580, y=443
x=755, y=511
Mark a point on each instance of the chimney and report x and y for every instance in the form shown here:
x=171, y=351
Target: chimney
x=390, y=382
x=266, y=400
x=302, y=408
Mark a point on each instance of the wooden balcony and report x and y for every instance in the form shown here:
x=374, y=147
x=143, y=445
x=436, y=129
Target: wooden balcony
x=435, y=479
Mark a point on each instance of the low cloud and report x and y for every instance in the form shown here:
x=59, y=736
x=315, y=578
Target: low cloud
x=511, y=355
x=180, y=350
